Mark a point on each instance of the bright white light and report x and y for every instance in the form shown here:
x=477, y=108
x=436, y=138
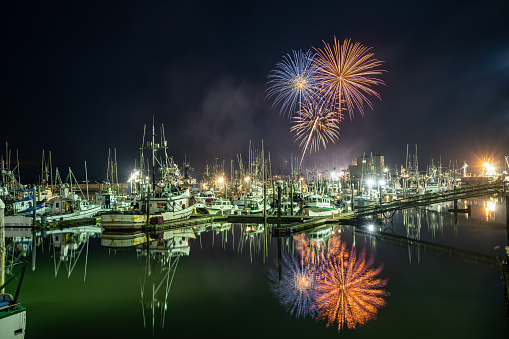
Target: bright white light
x=220, y=180
x=381, y=182
x=370, y=182
x=371, y=228
x=490, y=169
x=491, y=206
x=333, y=175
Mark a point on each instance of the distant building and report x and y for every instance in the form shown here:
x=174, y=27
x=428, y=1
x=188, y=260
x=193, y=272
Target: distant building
x=367, y=167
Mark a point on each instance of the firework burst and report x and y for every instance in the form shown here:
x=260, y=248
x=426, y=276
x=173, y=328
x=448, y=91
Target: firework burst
x=345, y=73
x=292, y=81
x=348, y=290
x=295, y=292
x=315, y=125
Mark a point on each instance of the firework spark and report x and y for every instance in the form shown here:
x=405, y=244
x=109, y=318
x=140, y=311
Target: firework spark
x=347, y=290
x=345, y=73
x=292, y=81
x=315, y=125
x=295, y=292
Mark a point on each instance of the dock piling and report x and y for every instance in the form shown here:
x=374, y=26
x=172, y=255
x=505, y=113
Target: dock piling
x=279, y=259
x=2, y=245
x=278, y=205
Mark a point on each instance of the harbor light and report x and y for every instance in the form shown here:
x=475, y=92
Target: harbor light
x=490, y=169
x=133, y=176
x=370, y=182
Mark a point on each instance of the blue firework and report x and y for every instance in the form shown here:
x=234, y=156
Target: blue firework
x=296, y=290
x=293, y=81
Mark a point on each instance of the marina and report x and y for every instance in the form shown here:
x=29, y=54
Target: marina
x=202, y=170
x=412, y=253
x=294, y=227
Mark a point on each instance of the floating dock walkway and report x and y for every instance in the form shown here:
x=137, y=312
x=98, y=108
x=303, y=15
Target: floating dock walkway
x=435, y=198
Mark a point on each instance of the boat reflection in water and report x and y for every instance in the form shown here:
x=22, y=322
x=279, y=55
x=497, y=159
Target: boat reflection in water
x=65, y=245
x=158, y=257
x=334, y=284
x=68, y=244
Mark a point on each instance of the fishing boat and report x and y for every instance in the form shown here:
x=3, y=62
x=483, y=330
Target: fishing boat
x=203, y=198
x=159, y=200
x=109, y=201
x=432, y=187
x=109, y=197
x=19, y=202
x=318, y=205
x=12, y=317
x=221, y=206
x=69, y=206
x=164, y=207
x=12, y=313
x=253, y=205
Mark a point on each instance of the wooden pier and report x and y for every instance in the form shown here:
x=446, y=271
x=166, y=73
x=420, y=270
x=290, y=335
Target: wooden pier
x=61, y=224
x=467, y=192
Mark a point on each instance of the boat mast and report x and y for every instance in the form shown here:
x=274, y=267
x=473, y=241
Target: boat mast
x=153, y=156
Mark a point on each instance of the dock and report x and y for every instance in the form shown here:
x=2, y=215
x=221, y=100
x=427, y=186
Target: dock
x=435, y=198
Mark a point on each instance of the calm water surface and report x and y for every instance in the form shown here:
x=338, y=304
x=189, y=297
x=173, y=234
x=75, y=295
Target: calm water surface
x=222, y=284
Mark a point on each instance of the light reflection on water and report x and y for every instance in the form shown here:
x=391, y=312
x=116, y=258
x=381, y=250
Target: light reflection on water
x=154, y=282
x=334, y=285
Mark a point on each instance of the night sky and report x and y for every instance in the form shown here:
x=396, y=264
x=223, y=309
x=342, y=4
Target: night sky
x=81, y=77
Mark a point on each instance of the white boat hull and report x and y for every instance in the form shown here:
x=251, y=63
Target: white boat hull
x=13, y=325
x=320, y=212
x=118, y=221
x=86, y=213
